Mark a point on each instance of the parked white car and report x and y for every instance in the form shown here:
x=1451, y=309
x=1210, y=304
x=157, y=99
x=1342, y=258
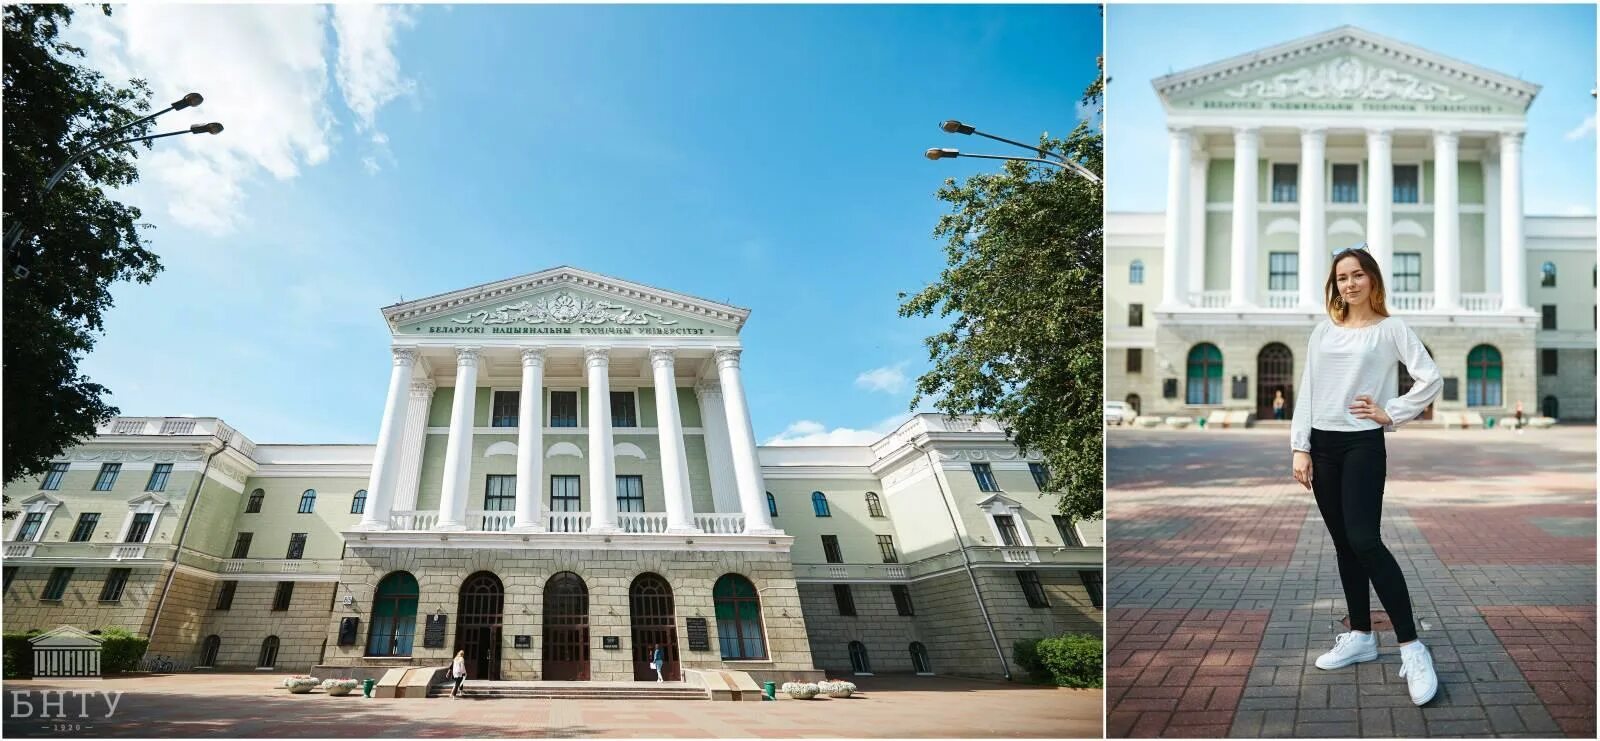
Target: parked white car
x=1119, y=413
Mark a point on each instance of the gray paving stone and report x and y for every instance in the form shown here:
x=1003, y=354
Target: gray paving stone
x=1504, y=719
x=1327, y=730
x=1376, y=722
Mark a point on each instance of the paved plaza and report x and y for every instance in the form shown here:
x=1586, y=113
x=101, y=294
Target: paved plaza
x=1224, y=587
x=250, y=705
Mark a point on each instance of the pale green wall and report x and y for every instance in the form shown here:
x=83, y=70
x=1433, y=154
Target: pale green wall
x=212, y=525
x=1219, y=237
x=1573, y=292
x=1219, y=181
x=280, y=516
x=77, y=496
x=847, y=505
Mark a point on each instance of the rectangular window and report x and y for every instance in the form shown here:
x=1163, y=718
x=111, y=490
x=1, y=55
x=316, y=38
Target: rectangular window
x=847, y=601
x=158, y=477
x=1285, y=182
x=564, y=494
x=902, y=599
x=285, y=595
x=1407, y=184
x=115, y=582
x=830, y=549
x=1407, y=272
x=11, y=575
x=84, y=530
x=225, y=595
x=1041, y=475
x=107, y=477
x=1548, y=316
x=563, y=409
x=241, y=545
x=1069, y=534
x=622, y=411
x=30, y=527
x=1008, y=530
x=630, y=493
x=500, y=493
x=1136, y=315
x=1283, y=271
x=52, y=478
x=886, y=548
x=503, y=410
x=1135, y=360
x=139, y=529
x=297, y=545
x=985, y=477
x=1094, y=583
x=1547, y=361
x=1346, y=184
x=1032, y=589
x=57, y=586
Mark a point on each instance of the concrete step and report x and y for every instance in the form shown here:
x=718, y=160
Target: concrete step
x=574, y=691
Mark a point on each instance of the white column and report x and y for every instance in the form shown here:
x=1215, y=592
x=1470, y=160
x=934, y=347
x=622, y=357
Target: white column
x=380, y=485
x=719, y=456
x=602, y=454
x=1513, y=263
x=1313, y=218
x=1242, y=270
x=1380, y=200
x=669, y=428
x=1195, y=243
x=1491, y=218
x=530, y=442
x=458, y=450
x=1174, y=260
x=742, y=439
x=413, y=443
x=1446, y=223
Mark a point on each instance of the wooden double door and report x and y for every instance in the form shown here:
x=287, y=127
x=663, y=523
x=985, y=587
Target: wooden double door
x=653, y=624
x=565, y=653
x=479, y=616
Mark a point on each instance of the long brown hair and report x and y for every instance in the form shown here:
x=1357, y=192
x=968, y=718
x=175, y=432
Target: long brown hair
x=1335, y=302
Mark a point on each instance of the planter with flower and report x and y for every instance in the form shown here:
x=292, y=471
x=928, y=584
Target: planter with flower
x=300, y=684
x=340, y=687
x=801, y=690
x=834, y=688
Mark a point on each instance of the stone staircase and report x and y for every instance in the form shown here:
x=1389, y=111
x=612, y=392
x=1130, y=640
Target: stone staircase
x=573, y=690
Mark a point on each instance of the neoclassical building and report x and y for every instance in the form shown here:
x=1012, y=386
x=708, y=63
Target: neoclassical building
x=1280, y=158
x=565, y=474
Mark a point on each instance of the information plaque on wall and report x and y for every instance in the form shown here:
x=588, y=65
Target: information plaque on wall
x=610, y=642
x=433, y=634
x=523, y=641
x=699, y=639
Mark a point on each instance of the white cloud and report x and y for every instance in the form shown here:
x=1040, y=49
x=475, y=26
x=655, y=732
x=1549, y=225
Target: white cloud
x=1584, y=129
x=811, y=432
x=889, y=379
x=369, y=72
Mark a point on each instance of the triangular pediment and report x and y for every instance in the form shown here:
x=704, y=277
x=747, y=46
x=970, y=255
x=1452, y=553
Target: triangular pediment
x=1350, y=70
x=66, y=636
x=564, y=300
x=998, y=498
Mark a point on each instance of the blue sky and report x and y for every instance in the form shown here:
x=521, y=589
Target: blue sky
x=1550, y=45
x=769, y=157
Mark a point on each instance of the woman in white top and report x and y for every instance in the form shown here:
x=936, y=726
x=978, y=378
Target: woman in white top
x=458, y=672
x=1347, y=399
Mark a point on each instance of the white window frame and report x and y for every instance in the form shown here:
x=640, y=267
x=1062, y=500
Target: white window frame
x=36, y=504
x=1000, y=507
x=1272, y=182
x=146, y=504
x=1423, y=196
x=549, y=408
x=495, y=390
x=638, y=418
x=1361, y=183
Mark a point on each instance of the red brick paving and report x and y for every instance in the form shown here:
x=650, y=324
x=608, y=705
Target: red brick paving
x=1178, y=672
x=1458, y=535
x=1236, y=536
x=1554, y=648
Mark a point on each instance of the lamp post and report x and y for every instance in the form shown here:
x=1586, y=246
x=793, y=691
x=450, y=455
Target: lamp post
x=953, y=126
x=14, y=231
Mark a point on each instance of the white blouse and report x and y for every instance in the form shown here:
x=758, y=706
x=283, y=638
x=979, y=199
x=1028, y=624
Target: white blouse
x=1343, y=363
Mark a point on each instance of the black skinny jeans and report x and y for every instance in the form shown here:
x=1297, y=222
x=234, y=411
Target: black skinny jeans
x=1347, y=473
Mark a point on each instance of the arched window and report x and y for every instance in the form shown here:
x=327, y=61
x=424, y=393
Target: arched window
x=358, y=505
x=269, y=653
x=209, y=650
x=858, y=658
x=1550, y=407
x=1483, y=377
x=919, y=659
x=772, y=505
x=1136, y=272
x=308, y=501
x=254, y=505
x=874, y=507
x=1205, y=374
x=738, y=618
x=819, y=504
x=394, y=616
x=1547, y=275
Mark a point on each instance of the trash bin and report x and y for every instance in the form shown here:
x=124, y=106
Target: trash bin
x=1488, y=423
x=1201, y=421
x=770, y=690
x=366, y=686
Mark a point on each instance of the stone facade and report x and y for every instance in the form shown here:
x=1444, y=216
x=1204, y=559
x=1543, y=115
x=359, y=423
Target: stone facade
x=80, y=604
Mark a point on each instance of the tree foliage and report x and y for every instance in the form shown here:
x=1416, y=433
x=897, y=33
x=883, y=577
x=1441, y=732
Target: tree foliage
x=75, y=243
x=1023, y=291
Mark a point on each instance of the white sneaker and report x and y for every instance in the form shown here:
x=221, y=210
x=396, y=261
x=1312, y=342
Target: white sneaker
x=1349, y=648
x=1416, y=667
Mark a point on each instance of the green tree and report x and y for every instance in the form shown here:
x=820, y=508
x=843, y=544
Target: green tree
x=75, y=243
x=1023, y=290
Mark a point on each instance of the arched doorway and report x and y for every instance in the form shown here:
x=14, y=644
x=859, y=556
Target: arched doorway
x=859, y=663
x=478, y=621
x=1483, y=377
x=209, y=650
x=919, y=658
x=1405, y=384
x=1204, y=375
x=268, y=659
x=1274, y=373
x=1135, y=404
x=650, y=610
x=1550, y=407
x=394, y=616
x=566, y=628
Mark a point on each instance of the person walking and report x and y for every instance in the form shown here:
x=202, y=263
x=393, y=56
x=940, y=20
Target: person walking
x=658, y=660
x=1519, y=416
x=1348, y=398
x=1277, y=404
x=458, y=672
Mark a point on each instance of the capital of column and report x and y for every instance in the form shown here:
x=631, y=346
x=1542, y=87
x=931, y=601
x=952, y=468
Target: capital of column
x=532, y=357
x=1512, y=139
x=1247, y=135
x=728, y=357
x=422, y=389
x=1318, y=134
x=1180, y=133
x=1446, y=136
x=404, y=355
x=597, y=357
x=662, y=357
x=467, y=356
x=1380, y=135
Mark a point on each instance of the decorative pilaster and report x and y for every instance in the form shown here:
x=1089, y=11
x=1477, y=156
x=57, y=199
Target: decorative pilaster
x=602, y=453
x=1313, y=218
x=1446, y=222
x=458, y=450
x=1513, y=263
x=1242, y=268
x=1173, y=257
x=380, y=484
x=1380, y=200
x=530, y=442
x=1195, y=243
x=742, y=440
x=719, y=454
x=669, y=428
x=412, y=443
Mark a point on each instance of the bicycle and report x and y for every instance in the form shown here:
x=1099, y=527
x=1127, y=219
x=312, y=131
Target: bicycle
x=161, y=665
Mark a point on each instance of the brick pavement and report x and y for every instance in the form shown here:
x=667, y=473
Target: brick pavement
x=1499, y=560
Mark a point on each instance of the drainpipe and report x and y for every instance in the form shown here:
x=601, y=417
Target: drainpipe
x=966, y=560
x=183, y=532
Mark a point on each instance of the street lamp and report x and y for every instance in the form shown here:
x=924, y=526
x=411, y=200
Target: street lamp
x=14, y=232
x=953, y=126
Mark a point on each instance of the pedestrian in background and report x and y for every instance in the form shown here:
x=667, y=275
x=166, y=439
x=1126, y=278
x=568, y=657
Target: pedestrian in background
x=458, y=672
